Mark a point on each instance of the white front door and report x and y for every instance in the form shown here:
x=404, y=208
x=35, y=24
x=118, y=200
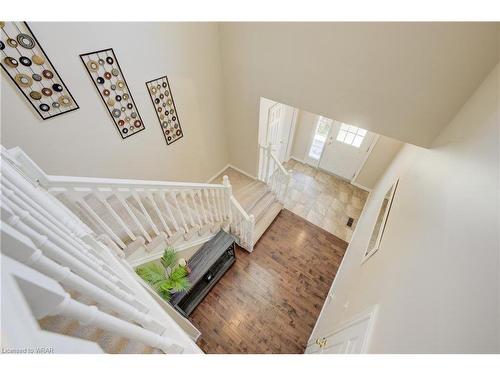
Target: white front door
x=351, y=338
x=345, y=149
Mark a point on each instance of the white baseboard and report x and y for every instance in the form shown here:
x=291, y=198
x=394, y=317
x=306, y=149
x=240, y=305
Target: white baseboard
x=242, y=172
x=361, y=186
x=211, y=179
x=297, y=159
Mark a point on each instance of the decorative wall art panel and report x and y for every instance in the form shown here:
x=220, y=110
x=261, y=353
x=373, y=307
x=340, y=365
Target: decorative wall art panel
x=25, y=62
x=163, y=103
x=105, y=72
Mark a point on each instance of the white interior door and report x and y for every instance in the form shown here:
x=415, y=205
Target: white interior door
x=274, y=131
x=350, y=338
x=345, y=149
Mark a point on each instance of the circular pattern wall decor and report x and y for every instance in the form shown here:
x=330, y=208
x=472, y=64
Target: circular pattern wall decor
x=23, y=80
x=11, y=62
x=114, y=92
x=48, y=74
x=38, y=60
x=64, y=100
x=44, y=107
x=25, y=41
x=57, y=87
x=35, y=95
x=161, y=97
x=46, y=91
x=32, y=72
x=12, y=43
x=25, y=61
x=92, y=65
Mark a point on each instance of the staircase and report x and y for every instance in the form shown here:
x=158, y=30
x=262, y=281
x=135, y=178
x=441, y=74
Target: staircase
x=74, y=242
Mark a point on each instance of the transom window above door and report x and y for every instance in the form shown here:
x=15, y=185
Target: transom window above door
x=351, y=135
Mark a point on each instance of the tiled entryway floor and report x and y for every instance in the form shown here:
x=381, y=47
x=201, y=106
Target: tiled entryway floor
x=324, y=200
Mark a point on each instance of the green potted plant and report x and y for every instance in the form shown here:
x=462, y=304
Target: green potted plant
x=168, y=277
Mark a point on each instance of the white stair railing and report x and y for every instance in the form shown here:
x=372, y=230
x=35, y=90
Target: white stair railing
x=38, y=236
x=132, y=213
x=273, y=173
x=129, y=214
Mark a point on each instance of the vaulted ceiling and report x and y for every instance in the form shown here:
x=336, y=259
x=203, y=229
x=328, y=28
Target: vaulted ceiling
x=403, y=80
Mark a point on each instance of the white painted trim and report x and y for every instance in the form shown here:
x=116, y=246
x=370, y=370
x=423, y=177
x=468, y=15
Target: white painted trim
x=369, y=253
x=368, y=152
x=297, y=159
x=371, y=315
x=159, y=253
x=232, y=166
x=242, y=171
x=218, y=173
x=291, y=133
x=361, y=186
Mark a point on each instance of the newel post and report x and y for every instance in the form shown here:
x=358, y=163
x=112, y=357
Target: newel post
x=228, y=192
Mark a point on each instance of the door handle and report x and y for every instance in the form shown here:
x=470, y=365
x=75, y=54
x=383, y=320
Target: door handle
x=321, y=342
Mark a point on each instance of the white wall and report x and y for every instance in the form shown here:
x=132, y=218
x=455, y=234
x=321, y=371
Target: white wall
x=402, y=80
x=436, y=276
x=304, y=133
x=380, y=158
x=86, y=143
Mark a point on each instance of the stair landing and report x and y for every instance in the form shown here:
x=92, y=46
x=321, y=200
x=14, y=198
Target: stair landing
x=255, y=198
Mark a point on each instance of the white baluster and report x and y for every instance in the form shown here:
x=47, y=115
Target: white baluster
x=103, y=199
x=209, y=209
x=137, y=198
x=39, y=224
x=221, y=203
x=173, y=194
x=169, y=210
x=65, y=259
x=228, y=192
x=50, y=204
x=188, y=209
x=199, y=194
x=214, y=203
x=123, y=201
x=25, y=203
x=158, y=213
x=36, y=259
x=84, y=205
x=196, y=208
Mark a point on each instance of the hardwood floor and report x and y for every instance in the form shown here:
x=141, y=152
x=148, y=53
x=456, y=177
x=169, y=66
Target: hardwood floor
x=268, y=302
